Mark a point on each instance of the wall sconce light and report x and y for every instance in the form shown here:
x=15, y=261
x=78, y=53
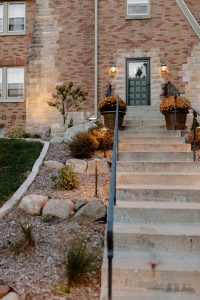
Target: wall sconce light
x=163, y=67
x=113, y=68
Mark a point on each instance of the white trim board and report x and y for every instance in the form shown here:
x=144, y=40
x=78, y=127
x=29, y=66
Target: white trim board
x=189, y=16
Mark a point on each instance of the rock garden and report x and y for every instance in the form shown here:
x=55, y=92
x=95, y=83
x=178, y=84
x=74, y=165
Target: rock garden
x=51, y=244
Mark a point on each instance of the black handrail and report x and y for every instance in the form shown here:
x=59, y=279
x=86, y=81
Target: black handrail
x=112, y=203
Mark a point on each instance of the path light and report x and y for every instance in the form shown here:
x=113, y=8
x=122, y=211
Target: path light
x=104, y=130
x=113, y=68
x=96, y=159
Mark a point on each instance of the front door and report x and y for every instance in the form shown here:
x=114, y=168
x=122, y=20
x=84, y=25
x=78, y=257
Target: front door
x=138, y=81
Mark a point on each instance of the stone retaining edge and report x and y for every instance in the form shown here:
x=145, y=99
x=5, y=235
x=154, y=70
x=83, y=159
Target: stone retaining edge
x=25, y=185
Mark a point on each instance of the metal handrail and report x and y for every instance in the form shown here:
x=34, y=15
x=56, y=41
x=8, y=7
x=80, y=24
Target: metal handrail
x=112, y=203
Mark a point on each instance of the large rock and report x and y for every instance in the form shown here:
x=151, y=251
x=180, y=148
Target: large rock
x=80, y=203
x=44, y=132
x=33, y=204
x=78, y=165
x=53, y=164
x=11, y=296
x=61, y=208
x=102, y=167
x=4, y=289
x=91, y=212
x=72, y=131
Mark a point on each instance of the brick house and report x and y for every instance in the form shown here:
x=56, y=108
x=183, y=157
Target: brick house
x=48, y=42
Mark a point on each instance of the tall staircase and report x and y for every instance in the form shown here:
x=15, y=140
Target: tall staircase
x=157, y=215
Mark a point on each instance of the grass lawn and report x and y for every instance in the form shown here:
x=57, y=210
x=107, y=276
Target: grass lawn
x=16, y=158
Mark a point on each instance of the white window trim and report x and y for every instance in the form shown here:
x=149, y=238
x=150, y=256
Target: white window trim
x=136, y=16
x=5, y=19
x=5, y=97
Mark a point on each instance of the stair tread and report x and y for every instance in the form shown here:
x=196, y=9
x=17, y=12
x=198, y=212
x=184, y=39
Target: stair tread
x=149, y=295
x=157, y=187
x=158, y=229
x=163, y=260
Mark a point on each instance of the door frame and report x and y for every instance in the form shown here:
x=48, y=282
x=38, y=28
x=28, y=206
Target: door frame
x=138, y=59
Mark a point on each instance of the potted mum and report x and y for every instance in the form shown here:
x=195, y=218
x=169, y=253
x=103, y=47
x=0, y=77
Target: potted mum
x=107, y=107
x=175, y=120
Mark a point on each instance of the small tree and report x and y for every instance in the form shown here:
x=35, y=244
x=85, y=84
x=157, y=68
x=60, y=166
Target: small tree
x=67, y=96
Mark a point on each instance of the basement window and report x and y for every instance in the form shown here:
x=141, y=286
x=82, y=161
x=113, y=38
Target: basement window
x=12, y=18
x=12, y=84
x=138, y=9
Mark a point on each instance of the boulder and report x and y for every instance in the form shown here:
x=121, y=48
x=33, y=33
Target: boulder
x=53, y=164
x=44, y=132
x=33, y=204
x=78, y=165
x=102, y=167
x=11, y=296
x=61, y=208
x=80, y=203
x=72, y=131
x=91, y=212
x=57, y=140
x=4, y=289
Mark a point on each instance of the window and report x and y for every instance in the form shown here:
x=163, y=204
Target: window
x=12, y=17
x=138, y=9
x=11, y=84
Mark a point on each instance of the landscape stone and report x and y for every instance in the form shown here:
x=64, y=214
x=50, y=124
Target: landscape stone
x=102, y=167
x=78, y=165
x=80, y=203
x=44, y=132
x=61, y=208
x=53, y=164
x=33, y=204
x=11, y=296
x=57, y=140
x=4, y=289
x=91, y=212
x=72, y=131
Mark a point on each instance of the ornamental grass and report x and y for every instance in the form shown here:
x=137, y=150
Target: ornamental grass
x=168, y=104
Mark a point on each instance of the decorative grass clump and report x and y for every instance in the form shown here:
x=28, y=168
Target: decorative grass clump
x=80, y=262
x=83, y=145
x=16, y=158
x=104, y=138
x=66, y=179
x=26, y=240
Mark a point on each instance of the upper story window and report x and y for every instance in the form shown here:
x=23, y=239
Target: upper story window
x=12, y=17
x=11, y=84
x=138, y=9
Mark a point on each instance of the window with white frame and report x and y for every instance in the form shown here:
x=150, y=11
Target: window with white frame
x=12, y=17
x=138, y=9
x=11, y=83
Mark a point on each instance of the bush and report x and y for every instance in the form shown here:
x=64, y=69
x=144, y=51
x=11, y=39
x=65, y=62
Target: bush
x=104, y=138
x=66, y=179
x=19, y=135
x=26, y=240
x=80, y=262
x=83, y=145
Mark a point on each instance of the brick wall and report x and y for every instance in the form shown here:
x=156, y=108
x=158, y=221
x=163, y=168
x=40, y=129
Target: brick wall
x=14, y=51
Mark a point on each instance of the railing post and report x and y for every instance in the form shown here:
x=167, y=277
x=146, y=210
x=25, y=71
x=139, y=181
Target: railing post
x=175, y=109
x=195, y=124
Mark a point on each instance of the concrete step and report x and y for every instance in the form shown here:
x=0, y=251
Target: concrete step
x=155, y=156
x=154, y=148
x=149, y=133
x=144, y=122
x=149, y=295
x=156, y=167
x=152, y=140
x=145, y=128
x=152, y=270
x=156, y=212
x=158, y=193
x=161, y=179
x=157, y=237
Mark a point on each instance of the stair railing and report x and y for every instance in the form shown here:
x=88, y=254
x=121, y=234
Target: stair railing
x=112, y=203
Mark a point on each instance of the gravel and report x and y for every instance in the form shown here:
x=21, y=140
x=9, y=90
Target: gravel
x=39, y=272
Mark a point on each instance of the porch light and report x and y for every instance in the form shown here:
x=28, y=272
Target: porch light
x=113, y=68
x=163, y=67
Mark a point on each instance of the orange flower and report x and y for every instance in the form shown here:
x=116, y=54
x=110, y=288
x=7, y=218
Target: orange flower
x=109, y=104
x=168, y=104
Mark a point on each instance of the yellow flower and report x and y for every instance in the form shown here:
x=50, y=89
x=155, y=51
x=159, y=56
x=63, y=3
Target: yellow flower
x=168, y=104
x=109, y=104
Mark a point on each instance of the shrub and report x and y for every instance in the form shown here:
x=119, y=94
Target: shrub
x=66, y=179
x=83, y=145
x=80, y=262
x=110, y=103
x=26, y=240
x=19, y=135
x=104, y=138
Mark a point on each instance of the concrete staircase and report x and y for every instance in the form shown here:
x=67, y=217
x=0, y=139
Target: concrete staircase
x=157, y=216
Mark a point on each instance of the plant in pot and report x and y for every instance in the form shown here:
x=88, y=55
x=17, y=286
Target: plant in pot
x=107, y=107
x=175, y=110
